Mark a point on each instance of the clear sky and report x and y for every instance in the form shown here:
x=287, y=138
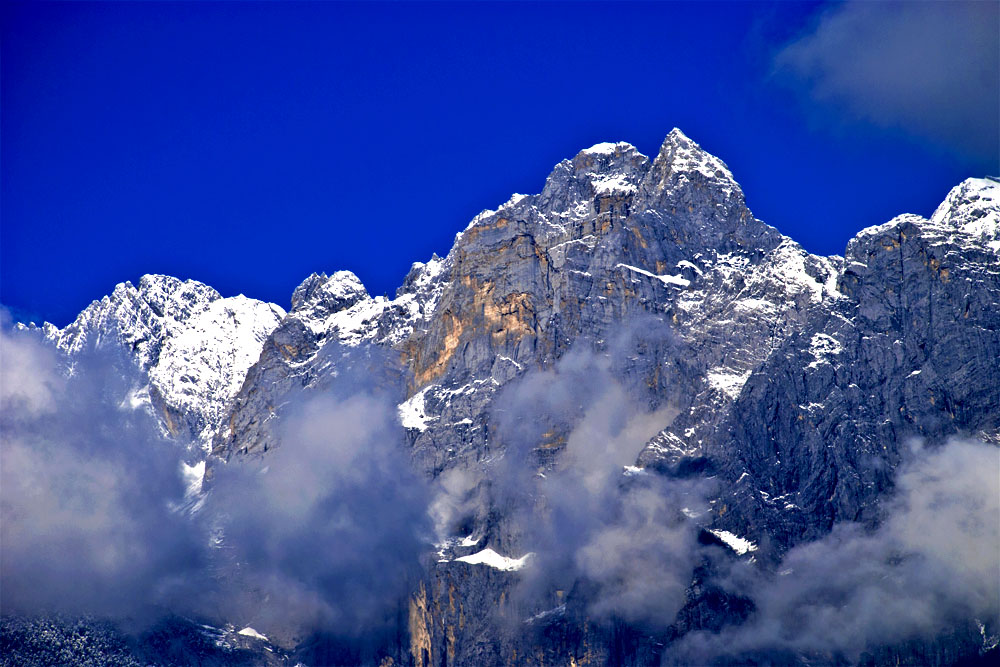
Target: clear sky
x=248, y=145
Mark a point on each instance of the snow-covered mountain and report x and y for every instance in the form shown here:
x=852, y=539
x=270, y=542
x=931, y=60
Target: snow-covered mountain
x=193, y=347
x=790, y=384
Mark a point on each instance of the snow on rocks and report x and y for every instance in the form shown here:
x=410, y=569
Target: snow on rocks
x=689, y=156
x=675, y=281
x=738, y=544
x=492, y=559
x=202, y=367
x=195, y=346
x=411, y=411
x=727, y=381
x=250, y=632
x=972, y=207
x=822, y=347
x=608, y=148
x=608, y=184
x=324, y=294
x=968, y=217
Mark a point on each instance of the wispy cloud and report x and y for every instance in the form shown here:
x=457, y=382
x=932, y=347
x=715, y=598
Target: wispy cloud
x=86, y=487
x=321, y=535
x=929, y=568
x=931, y=69
x=325, y=532
x=589, y=524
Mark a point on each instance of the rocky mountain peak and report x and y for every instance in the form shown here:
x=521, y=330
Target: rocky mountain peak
x=690, y=197
x=135, y=317
x=793, y=380
x=421, y=274
x=968, y=220
x=174, y=298
x=973, y=208
x=603, y=170
x=201, y=366
x=329, y=294
x=191, y=346
x=680, y=155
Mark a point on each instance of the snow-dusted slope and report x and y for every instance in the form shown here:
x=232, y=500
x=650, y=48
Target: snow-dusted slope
x=193, y=346
x=329, y=313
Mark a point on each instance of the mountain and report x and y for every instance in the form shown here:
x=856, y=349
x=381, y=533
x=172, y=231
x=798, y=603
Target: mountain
x=633, y=301
x=194, y=346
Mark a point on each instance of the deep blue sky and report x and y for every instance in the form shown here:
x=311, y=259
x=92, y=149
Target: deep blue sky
x=247, y=145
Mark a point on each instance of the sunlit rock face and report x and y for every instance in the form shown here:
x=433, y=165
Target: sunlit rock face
x=779, y=389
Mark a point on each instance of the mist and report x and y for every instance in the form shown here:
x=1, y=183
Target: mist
x=86, y=489
x=321, y=535
x=592, y=521
x=622, y=538
x=324, y=532
x=930, y=567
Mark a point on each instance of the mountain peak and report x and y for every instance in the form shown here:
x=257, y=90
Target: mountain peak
x=608, y=148
x=973, y=207
x=332, y=293
x=172, y=297
x=679, y=153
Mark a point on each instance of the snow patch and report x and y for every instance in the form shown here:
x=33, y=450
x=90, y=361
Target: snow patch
x=738, y=544
x=727, y=381
x=250, y=632
x=412, y=413
x=606, y=148
x=610, y=183
x=689, y=265
x=821, y=347
x=557, y=611
x=496, y=561
x=676, y=281
x=510, y=361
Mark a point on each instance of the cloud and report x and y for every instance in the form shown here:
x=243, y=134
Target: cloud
x=324, y=533
x=455, y=501
x=930, y=567
x=321, y=535
x=85, y=491
x=622, y=541
x=929, y=68
x=29, y=377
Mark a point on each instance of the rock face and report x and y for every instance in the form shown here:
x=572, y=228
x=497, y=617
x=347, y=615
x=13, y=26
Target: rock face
x=910, y=348
x=793, y=380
